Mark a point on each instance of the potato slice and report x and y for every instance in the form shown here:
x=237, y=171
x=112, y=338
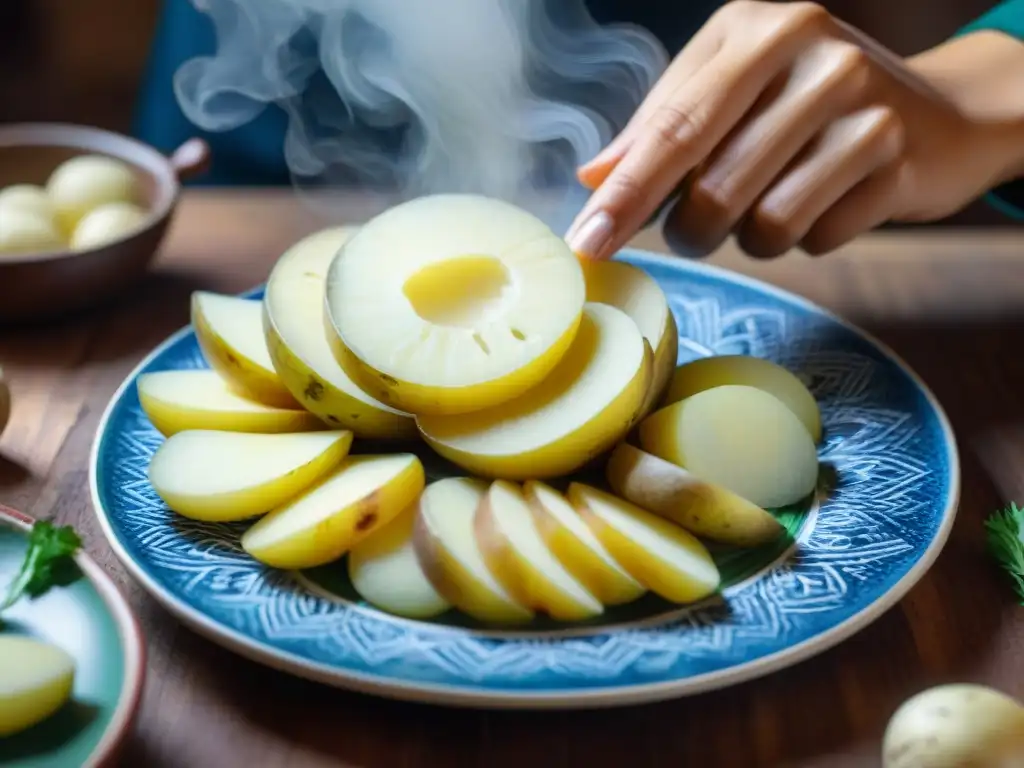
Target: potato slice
x=740, y=438
x=665, y=558
x=587, y=403
x=293, y=321
x=577, y=548
x=230, y=333
x=453, y=303
x=627, y=287
x=318, y=527
x=36, y=679
x=220, y=476
x=709, y=372
x=517, y=556
x=386, y=572
x=447, y=548
x=703, y=508
x=200, y=399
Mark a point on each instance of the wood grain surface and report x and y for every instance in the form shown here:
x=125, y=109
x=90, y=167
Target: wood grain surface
x=952, y=304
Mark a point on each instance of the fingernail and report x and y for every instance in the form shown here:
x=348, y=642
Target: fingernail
x=589, y=239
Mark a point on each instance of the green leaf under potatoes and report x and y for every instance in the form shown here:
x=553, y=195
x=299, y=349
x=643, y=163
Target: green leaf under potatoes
x=1005, y=530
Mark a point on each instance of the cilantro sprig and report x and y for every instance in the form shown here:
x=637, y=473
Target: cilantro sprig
x=1006, y=544
x=49, y=562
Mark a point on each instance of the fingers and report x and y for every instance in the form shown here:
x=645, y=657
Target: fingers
x=827, y=79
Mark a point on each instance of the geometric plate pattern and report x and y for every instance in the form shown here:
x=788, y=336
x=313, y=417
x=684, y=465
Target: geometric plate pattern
x=880, y=527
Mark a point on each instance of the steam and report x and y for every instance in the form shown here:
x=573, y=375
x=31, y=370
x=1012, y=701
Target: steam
x=409, y=97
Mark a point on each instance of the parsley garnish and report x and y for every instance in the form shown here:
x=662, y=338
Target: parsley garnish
x=1005, y=530
x=49, y=562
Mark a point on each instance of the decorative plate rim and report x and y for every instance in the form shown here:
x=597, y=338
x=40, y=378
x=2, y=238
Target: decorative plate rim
x=132, y=637
x=464, y=696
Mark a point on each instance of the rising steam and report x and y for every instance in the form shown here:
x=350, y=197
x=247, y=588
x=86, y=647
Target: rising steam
x=497, y=97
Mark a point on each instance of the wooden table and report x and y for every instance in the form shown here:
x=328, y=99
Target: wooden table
x=952, y=304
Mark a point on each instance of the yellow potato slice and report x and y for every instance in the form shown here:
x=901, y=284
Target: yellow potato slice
x=293, y=320
x=36, y=679
x=709, y=372
x=321, y=525
x=740, y=438
x=200, y=399
x=703, y=508
x=587, y=403
x=627, y=287
x=453, y=303
x=665, y=558
x=577, y=548
x=221, y=476
x=230, y=334
x=447, y=548
x=515, y=553
x=386, y=572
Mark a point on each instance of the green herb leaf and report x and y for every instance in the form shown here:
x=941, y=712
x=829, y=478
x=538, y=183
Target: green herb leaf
x=49, y=562
x=1005, y=530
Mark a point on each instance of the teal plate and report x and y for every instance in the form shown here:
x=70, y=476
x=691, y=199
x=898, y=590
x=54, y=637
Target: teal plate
x=91, y=620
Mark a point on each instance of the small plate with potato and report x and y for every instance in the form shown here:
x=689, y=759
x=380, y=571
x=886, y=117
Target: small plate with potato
x=72, y=657
x=436, y=458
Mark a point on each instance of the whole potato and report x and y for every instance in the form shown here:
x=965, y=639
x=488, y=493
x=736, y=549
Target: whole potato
x=27, y=197
x=105, y=224
x=22, y=232
x=86, y=182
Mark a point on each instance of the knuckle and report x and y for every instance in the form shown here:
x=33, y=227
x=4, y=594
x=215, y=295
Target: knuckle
x=806, y=15
x=675, y=124
x=624, y=186
x=851, y=62
x=888, y=131
x=736, y=10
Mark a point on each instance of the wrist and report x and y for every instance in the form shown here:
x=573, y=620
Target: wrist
x=982, y=76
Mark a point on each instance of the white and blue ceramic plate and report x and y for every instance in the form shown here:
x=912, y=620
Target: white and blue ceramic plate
x=886, y=509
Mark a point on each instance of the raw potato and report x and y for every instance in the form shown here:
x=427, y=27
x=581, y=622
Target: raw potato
x=447, y=548
x=293, y=321
x=665, y=558
x=30, y=198
x=518, y=558
x=24, y=232
x=230, y=333
x=956, y=726
x=453, y=303
x=385, y=571
x=362, y=495
x=627, y=287
x=88, y=181
x=200, y=399
x=36, y=679
x=577, y=548
x=740, y=438
x=703, y=508
x=221, y=476
x=105, y=224
x=587, y=403
x=706, y=373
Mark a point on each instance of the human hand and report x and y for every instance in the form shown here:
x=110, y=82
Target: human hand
x=788, y=127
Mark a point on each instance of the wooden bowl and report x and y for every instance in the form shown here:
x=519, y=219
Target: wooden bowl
x=37, y=286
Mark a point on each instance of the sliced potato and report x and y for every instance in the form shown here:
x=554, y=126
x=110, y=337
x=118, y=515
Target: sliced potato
x=447, y=548
x=740, y=438
x=200, y=399
x=517, y=556
x=627, y=287
x=386, y=572
x=703, y=508
x=577, y=548
x=709, y=372
x=36, y=679
x=293, y=321
x=230, y=333
x=321, y=525
x=221, y=476
x=452, y=303
x=659, y=554
x=587, y=403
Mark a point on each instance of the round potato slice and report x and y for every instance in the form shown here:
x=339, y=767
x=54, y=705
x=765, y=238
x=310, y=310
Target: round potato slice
x=453, y=303
x=740, y=438
x=36, y=679
x=587, y=403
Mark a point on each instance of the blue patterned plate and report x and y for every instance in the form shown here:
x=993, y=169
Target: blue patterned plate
x=852, y=555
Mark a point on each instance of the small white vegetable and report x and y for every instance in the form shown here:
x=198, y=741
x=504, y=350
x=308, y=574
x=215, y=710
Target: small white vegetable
x=956, y=726
x=105, y=224
x=27, y=197
x=85, y=182
x=22, y=231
